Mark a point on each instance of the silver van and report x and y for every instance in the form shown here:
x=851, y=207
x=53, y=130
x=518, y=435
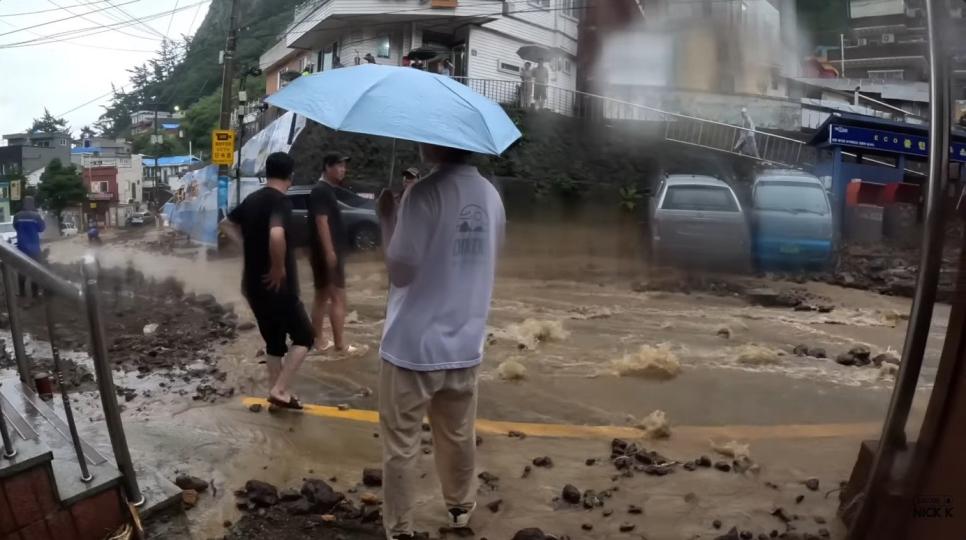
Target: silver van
x=792, y=221
x=697, y=221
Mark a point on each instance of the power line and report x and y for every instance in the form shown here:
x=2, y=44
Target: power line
x=88, y=19
x=85, y=44
x=113, y=16
x=60, y=20
x=145, y=25
x=86, y=103
x=171, y=20
x=86, y=32
x=85, y=4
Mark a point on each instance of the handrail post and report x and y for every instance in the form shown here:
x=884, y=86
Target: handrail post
x=86, y=475
x=9, y=452
x=16, y=331
x=105, y=381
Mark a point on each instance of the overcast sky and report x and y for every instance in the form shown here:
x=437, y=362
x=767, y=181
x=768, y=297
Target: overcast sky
x=65, y=75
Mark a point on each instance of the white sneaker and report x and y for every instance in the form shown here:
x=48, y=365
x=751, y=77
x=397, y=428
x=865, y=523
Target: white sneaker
x=460, y=518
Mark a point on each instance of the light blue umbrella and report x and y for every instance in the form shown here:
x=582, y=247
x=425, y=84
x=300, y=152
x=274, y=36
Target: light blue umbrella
x=402, y=103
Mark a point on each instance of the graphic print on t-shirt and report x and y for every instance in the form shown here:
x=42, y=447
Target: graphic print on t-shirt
x=469, y=244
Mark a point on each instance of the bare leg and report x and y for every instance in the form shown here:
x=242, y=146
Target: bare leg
x=274, y=364
x=337, y=312
x=292, y=363
x=318, y=316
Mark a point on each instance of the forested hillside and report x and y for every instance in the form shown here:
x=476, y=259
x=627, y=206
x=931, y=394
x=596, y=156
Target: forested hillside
x=187, y=73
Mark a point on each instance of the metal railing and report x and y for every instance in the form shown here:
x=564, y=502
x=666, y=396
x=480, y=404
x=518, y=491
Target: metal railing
x=679, y=128
x=13, y=261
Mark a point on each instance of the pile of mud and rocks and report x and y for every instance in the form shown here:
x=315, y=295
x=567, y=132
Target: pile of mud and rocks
x=889, y=270
x=152, y=328
x=317, y=510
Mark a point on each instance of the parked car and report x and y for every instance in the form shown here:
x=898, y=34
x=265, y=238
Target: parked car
x=8, y=233
x=697, y=221
x=358, y=217
x=791, y=220
x=140, y=218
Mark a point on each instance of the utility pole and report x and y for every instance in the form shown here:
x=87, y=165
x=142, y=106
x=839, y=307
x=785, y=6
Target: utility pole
x=227, y=76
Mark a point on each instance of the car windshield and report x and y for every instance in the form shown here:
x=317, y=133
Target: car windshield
x=7, y=227
x=792, y=197
x=700, y=198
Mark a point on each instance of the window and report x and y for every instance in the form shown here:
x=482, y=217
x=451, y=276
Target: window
x=383, y=47
x=573, y=8
x=567, y=67
x=793, y=197
x=508, y=67
x=540, y=3
x=887, y=74
x=100, y=187
x=699, y=198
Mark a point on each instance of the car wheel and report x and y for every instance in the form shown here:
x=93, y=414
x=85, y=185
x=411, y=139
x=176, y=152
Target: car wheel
x=365, y=237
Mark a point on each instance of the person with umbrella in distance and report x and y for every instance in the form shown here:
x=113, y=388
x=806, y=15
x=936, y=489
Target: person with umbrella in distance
x=440, y=245
x=541, y=78
x=262, y=224
x=526, y=86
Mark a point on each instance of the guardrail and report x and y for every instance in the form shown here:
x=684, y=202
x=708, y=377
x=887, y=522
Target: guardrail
x=12, y=262
x=680, y=128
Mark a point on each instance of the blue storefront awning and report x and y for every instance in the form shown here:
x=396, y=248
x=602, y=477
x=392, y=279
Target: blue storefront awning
x=884, y=137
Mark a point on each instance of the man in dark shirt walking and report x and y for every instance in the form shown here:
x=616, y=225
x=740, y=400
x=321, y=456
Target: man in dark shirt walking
x=327, y=240
x=262, y=225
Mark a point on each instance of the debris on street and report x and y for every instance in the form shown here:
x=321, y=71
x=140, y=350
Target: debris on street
x=656, y=425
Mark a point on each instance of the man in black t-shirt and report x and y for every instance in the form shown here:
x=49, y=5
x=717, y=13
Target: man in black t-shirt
x=262, y=225
x=327, y=242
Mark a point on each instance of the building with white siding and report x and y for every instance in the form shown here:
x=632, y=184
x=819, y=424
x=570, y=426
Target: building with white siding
x=480, y=37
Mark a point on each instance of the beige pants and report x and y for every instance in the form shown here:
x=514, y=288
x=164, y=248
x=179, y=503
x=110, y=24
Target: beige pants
x=405, y=397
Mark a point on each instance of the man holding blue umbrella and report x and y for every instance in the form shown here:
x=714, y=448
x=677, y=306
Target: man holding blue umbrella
x=441, y=250
x=441, y=246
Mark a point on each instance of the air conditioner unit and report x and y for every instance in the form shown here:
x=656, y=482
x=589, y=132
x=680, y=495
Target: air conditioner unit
x=888, y=38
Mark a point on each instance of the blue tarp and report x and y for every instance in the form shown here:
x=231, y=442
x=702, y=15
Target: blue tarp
x=194, y=211
x=170, y=126
x=85, y=150
x=196, y=208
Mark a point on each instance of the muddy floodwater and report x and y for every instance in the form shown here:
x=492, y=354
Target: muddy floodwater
x=586, y=359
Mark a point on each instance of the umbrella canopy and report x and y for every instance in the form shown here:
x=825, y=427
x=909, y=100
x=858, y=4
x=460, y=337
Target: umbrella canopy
x=427, y=52
x=537, y=53
x=402, y=103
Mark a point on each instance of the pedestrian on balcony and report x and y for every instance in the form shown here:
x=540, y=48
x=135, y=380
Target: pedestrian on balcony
x=441, y=247
x=29, y=224
x=446, y=68
x=526, y=86
x=262, y=224
x=541, y=78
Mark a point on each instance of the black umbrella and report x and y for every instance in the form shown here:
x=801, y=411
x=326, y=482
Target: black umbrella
x=427, y=52
x=537, y=53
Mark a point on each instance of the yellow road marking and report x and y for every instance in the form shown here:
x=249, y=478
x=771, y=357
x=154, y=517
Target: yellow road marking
x=571, y=431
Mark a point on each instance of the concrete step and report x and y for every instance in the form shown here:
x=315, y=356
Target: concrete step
x=39, y=430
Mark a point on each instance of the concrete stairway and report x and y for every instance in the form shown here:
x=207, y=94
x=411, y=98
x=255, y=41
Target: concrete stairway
x=42, y=494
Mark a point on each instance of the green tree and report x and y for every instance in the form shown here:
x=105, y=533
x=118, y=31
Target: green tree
x=171, y=146
x=49, y=123
x=60, y=187
x=200, y=119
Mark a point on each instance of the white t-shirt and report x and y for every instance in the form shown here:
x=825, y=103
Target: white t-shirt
x=450, y=227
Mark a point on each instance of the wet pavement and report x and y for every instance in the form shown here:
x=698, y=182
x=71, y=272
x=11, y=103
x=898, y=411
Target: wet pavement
x=804, y=417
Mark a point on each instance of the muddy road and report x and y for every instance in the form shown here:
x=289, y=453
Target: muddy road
x=576, y=357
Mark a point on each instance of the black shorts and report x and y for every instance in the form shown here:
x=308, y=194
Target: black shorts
x=281, y=316
x=324, y=277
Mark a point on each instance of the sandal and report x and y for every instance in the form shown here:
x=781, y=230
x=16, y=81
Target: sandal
x=292, y=403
